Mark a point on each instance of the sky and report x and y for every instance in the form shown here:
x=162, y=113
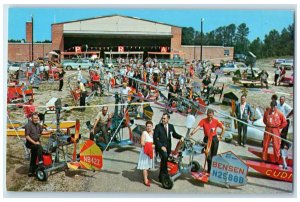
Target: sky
x=260, y=22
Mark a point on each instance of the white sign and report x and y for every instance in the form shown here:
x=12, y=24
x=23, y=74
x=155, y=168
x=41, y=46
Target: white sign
x=227, y=169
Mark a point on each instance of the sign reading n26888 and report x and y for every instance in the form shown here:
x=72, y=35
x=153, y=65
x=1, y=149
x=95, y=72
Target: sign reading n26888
x=228, y=170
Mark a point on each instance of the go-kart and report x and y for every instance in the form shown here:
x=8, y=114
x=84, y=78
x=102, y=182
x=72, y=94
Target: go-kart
x=189, y=148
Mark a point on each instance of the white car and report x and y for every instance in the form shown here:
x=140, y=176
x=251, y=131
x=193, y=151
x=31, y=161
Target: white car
x=74, y=65
x=288, y=64
x=14, y=67
x=231, y=68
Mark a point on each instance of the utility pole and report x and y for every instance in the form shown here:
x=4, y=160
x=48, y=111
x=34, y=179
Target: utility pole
x=195, y=45
x=31, y=38
x=201, y=39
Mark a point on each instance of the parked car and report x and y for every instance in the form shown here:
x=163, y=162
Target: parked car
x=74, y=65
x=14, y=67
x=288, y=64
x=233, y=67
x=277, y=62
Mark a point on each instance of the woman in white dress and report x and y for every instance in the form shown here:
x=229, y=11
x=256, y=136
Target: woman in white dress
x=145, y=162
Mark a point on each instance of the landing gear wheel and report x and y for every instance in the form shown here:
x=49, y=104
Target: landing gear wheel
x=211, y=100
x=41, y=174
x=195, y=166
x=167, y=182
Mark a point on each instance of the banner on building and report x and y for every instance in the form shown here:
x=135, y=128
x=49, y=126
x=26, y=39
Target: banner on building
x=163, y=49
x=121, y=49
x=77, y=49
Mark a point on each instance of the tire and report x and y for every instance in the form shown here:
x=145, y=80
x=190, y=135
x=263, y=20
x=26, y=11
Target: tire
x=41, y=174
x=69, y=68
x=228, y=140
x=195, y=166
x=211, y=100
x=167, y=182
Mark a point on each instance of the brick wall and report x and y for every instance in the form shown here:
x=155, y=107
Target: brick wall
x=28, y=32
x=57, y=37
x=21, y=52
x=212, y=53
x=176, y=39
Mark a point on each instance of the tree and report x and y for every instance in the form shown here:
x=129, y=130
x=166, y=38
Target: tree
x=188, y=35
x=256, y=47
x=271, y=44
x=242, y=41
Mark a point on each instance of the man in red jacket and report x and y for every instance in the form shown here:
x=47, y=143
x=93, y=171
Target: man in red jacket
x=274, y=121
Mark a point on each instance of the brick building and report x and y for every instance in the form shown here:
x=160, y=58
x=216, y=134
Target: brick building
x=115, y=33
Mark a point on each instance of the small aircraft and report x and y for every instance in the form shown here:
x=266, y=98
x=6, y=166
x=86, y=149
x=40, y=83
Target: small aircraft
x=19, y=93
x=55, y=153
x=270, y=168
x=75, y=93
x=253, y=133
x=47, y=118
x=120, y=120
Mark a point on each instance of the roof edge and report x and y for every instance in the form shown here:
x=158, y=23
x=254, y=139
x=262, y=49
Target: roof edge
x=105, y=16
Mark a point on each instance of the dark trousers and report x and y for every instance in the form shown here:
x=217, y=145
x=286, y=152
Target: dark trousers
x=242, y=128
x=276, y=79
x=213, y=150
x=163, y=164
x=61, y=84
x=283, y=135
x=82, y=99
x=36, y=153
x=104, y=131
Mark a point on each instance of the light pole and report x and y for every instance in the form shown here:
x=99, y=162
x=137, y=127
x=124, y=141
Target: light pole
x=195, y=45
x=31, y=38
x=201, y=36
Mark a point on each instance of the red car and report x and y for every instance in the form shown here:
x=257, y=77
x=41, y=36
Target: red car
x=287, y=80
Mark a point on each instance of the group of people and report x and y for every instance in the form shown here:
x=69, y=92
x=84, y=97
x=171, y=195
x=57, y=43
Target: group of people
x=159, y=142
x=156, y=141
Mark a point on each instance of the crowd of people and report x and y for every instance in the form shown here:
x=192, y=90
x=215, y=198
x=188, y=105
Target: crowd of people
x=156, y=140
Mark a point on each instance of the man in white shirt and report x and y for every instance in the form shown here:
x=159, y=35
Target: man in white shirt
x=124, y=94
x=287, y=111
x=168, y=76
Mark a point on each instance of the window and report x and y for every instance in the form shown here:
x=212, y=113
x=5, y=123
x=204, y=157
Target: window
x=226, y=52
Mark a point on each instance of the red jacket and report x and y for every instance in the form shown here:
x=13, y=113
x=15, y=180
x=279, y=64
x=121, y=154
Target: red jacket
x=274, y=120
x=148, y=149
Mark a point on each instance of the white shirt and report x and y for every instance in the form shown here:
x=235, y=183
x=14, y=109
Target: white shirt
x=285, y=108
x=125, y=91
x=131, y=73
x=242, y=109
x=156, y=70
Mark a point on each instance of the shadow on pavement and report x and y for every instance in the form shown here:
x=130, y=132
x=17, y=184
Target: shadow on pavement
x=118, y=160
x=133, y=175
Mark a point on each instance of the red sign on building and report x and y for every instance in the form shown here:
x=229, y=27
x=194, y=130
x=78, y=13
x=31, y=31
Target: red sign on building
x=77, y=49
x=120, y=48
x=163, y=49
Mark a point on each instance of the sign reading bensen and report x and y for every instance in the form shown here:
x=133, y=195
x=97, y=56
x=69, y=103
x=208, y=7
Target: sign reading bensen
x=227, y=169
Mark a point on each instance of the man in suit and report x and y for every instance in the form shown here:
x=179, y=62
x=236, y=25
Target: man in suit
x=243, y=112
x=162, y=140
